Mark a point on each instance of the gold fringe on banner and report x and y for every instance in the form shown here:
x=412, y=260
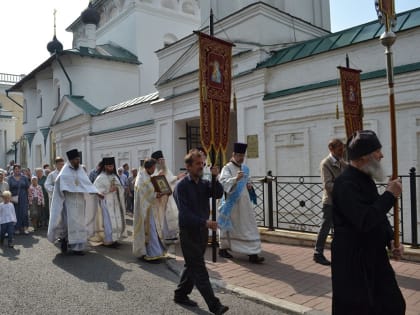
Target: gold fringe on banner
x=215, y=68
x=352, y=99
x=337, y=111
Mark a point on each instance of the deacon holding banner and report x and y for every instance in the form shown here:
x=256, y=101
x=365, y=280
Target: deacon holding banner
x=215, y=64
x=236, y=220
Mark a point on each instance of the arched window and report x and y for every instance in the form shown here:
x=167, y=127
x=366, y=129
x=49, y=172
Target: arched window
x=58, y=93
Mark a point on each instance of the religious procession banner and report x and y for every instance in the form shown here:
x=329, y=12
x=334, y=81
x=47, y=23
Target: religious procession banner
x=387, y=7
x=352, y=99
x=215, y=64
x=386, y=12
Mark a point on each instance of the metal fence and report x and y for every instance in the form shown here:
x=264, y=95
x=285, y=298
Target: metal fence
x=295, y=203
x=7, y=78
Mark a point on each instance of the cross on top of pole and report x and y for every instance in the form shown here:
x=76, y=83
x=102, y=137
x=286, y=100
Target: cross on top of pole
x=385, y=10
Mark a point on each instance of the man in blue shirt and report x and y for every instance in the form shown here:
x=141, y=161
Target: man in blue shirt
x=192, y=198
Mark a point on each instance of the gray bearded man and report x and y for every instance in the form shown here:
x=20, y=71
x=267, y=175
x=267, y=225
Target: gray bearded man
x=238, y=227
x=71, y=220
x=112, y=206
x=363, y=280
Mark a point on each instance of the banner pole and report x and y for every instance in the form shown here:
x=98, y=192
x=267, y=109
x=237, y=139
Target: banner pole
x=388, y=39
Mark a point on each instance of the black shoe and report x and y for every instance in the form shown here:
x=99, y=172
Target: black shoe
x=224, y=253
x=186, y=301
x=255, y=259
x=11, y=245
x=112, y=245
x=78, y=252
x=63, y=245
x=320, y=259
x=221, y=310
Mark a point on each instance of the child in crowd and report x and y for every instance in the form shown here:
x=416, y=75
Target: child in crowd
x=36, y=201
x=3, y=184
x=7, y=219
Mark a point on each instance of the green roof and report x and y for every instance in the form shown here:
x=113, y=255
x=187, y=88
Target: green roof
x=134, y=101
x=335, y=82
x=108, y=52
x=125, y=127
x=84, y=105
x=354, y=35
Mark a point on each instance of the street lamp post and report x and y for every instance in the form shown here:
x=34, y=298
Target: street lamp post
x=386, y=14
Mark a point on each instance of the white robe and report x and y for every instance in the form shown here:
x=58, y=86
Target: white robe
x=168, y=207
x=244, y=237
x=112, y=208
x=50, y=182
x=147, y=231
x=73, y=207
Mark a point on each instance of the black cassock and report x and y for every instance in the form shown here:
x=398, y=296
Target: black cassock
x=363, y=280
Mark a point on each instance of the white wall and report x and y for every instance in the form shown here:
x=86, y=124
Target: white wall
x=316, y=12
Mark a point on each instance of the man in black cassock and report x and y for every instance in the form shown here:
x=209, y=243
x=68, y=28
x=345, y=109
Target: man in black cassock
x=363, y=280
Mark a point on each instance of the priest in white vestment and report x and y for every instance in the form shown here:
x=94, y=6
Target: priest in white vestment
x=147, y=229
x=71, y=220
x=112, y=207
x=236, y=219
x=166, y=203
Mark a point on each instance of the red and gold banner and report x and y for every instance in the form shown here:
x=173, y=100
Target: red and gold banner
x=352, y=99
x=215, y=64
x=387, y=7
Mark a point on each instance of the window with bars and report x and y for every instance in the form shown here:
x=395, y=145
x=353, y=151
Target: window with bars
x=193, y=137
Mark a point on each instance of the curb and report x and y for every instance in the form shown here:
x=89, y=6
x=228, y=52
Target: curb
x=280, y=304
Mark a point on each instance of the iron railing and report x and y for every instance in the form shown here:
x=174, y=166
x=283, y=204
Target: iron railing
x=295, y=203
x=7, y=78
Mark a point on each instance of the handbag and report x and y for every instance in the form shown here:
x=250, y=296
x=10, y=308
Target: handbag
x=15, y=199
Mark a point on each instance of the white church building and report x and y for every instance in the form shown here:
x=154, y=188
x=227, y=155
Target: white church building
x=129, y=84
x=133, y=62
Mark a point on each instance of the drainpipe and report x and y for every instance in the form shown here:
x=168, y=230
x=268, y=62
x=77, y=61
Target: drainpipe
x=7, y=95
x=65, y=72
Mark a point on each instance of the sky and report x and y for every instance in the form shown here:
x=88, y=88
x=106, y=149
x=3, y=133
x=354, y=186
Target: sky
x=26, y=26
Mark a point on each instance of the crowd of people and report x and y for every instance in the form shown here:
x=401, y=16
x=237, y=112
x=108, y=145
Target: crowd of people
x=28, y=194
x=82, y=208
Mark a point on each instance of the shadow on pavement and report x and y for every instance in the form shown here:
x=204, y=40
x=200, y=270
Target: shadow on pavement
x=274, y=269
x=10, y=253
x=408, y=282
x=195, y=310
x=105, y=269
x=27, y=241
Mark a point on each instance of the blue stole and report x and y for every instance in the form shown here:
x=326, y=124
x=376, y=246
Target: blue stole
x=224, y=221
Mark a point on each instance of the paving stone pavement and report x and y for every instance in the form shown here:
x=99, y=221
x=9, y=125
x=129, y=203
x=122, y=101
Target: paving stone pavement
x=290, y=280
